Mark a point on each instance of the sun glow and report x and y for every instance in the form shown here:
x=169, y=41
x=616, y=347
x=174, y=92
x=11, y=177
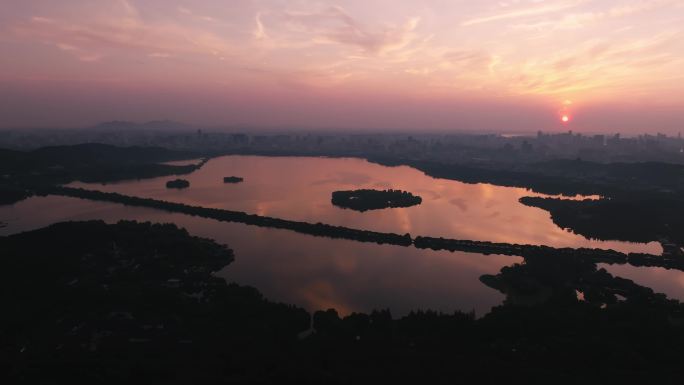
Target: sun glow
x=565, y=118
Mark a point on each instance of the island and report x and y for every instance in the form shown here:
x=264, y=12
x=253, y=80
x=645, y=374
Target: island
x=366, y=199
x=178, y=183
x=232, y=179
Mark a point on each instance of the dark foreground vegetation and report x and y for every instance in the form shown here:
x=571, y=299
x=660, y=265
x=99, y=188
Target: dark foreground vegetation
x=136, y=303
x=105, y=303
x=10, y=194
x=22, y=173
x=364, y=199
x=636, y=220
x=560, y=176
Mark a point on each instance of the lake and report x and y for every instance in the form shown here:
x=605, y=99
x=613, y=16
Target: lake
x=316, y=273
x=319, y=273
x=300, y=188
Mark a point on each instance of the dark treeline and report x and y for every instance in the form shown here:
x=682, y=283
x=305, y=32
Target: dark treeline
x=544, y=329
x=111, y=303
x=558, y=277
x=501, y=176
x=21, y=173
x=636, y=220
x=553, y=177
x=527, y=251
x=326, y=230
x=137, y=303
x=11, y=194
x=365, y=199
x=561, y=177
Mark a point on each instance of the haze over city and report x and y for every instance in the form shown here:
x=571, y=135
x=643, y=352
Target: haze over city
x=496, y=66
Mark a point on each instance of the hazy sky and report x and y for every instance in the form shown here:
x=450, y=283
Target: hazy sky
x=507, y=65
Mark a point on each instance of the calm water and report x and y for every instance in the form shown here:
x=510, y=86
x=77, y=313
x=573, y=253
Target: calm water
x=318, y=273
x=300, y=188
x=670, y=282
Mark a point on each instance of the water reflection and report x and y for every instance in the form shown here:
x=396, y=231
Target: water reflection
x=300, y=188
x=316, y=273
x=669, y=282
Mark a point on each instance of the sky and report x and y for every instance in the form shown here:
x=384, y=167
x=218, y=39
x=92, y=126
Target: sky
x=431, y=65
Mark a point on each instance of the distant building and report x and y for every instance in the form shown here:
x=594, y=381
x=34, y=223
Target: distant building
x=599, y=140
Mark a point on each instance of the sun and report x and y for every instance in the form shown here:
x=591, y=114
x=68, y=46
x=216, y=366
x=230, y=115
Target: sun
x=565, y=118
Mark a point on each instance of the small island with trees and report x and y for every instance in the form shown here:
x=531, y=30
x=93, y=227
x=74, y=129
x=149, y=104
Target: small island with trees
x=178, y=183
x=366, y=199
x=232, y=179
